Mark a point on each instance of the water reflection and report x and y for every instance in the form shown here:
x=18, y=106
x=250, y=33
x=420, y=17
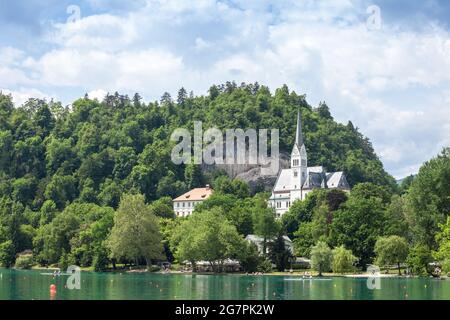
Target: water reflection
x=18, y=284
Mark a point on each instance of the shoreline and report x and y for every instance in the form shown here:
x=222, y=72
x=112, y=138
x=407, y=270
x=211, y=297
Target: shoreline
x=313, y=275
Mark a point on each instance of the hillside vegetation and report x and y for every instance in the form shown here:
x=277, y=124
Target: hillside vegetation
x=72, y=178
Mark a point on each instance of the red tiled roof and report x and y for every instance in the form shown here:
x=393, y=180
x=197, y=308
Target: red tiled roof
x=196, y=194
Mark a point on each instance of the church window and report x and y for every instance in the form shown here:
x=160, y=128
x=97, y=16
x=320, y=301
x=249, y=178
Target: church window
x=295, y=173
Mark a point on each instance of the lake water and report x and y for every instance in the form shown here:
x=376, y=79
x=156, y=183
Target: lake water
x=21, y=284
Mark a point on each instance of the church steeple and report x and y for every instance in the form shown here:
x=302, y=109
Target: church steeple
x=299, y=158
x=298, y=133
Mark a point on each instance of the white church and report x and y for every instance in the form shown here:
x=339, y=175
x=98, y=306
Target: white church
x=296, y=182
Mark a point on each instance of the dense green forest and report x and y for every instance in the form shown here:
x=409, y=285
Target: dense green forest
x=75, y=180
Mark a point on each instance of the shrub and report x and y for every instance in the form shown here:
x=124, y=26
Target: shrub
x=446, y=266
x=154, y=268
x=24, y=261
x=101, y=261
x=391, y=250
x=321, y=257
x=6, y=254
x=265, y=266
x=418, y=259
x=343, y=260
x=250, y=258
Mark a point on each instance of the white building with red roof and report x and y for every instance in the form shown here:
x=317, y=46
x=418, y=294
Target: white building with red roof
x=185, y=204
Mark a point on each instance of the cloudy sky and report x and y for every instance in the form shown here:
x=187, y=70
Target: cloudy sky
x=386, y=70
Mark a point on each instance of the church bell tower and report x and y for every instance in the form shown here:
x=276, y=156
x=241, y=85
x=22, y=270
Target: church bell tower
x=299, y=160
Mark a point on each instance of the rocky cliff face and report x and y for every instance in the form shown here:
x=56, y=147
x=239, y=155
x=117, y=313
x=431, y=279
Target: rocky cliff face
x=251, y=173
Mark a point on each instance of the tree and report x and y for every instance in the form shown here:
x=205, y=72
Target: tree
x=264, y=222
x=396, y=216
x=169, y=186
x=6, y=146
x=61, y=156
x=418, y=259
x=6, y=253
x=357, y=225
x=279, y=254
x=406, y=183
x=135, y=233
x=193, y=176
x=207, y=236
x=110, y=193
x=239, y=188
x=249, y=257
x=6, y=109
x=321, y=257
x=213, y=92
x=61, y=190
x=324, y=111
x=428, y=197
x=163, y=208
x=24, y=189
x=44, y=119
x=168, y=227
x=328, y=200
x=391, y=250
x=124, y=163
x=47, y=213
x=88, y=193
x=343, y=260
x=182, y=96
x=304, y=239
x=53, y=240
x=237, y=211
x=443, y=240
x=87, y=246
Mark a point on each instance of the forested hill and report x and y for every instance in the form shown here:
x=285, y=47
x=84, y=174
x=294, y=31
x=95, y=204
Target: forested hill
x=94, y=151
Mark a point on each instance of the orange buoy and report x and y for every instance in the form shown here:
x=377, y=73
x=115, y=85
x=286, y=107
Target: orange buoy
x=52, y=291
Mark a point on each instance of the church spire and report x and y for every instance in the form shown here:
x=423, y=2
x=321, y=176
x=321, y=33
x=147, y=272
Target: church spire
x=299, y=134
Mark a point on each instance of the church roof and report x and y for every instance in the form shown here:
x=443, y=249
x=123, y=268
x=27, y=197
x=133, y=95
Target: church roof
x=284, y=182
x=316, y=178
x=337, y=180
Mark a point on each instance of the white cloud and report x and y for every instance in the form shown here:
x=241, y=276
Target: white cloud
x=98, y=94
x=23, y=94
x=104, y=32
x=201, y=44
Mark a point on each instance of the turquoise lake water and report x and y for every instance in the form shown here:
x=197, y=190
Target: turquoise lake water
x=28, y=285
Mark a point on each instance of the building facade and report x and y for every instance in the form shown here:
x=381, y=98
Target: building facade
x=298, y=180
x=185, y=204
